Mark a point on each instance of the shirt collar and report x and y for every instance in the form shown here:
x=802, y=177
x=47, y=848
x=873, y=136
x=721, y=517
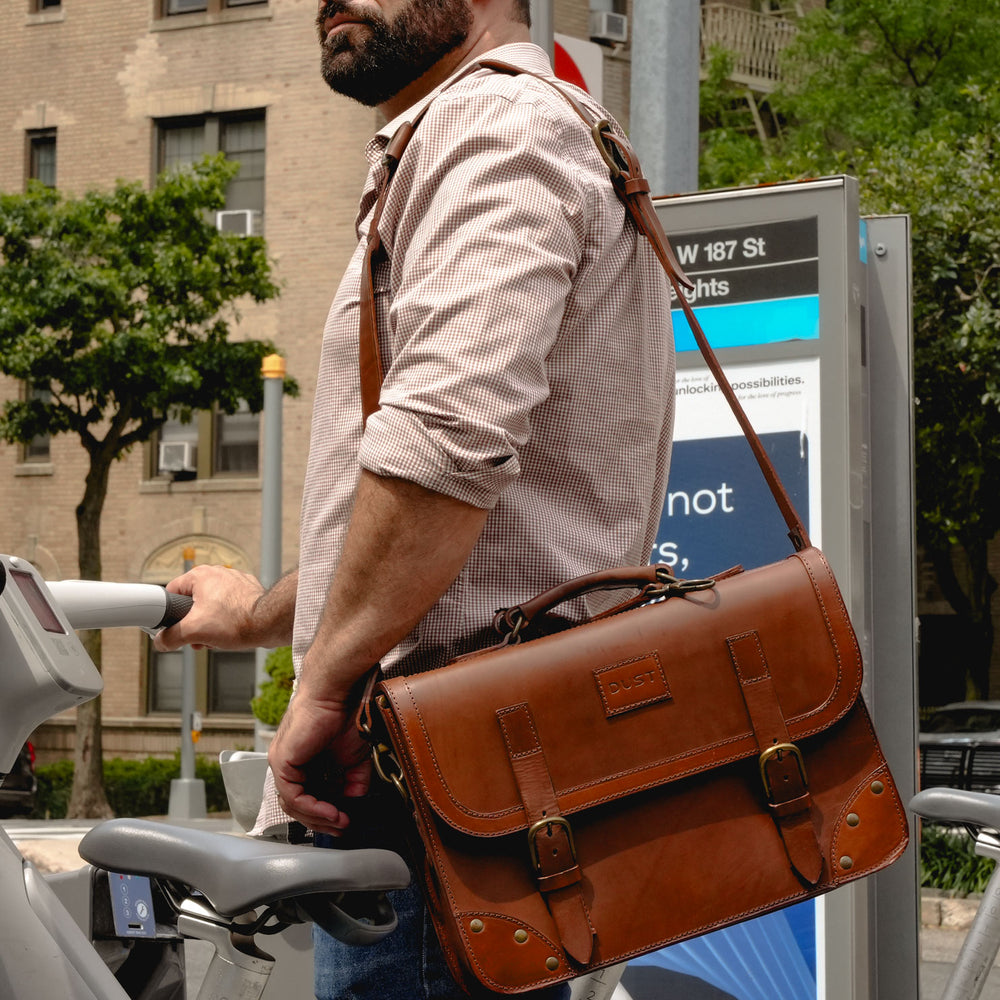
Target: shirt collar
x=524, y=55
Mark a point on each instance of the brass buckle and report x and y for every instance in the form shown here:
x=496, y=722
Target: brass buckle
x=777, y=751
x=605, y=140
x=382, y=752
x=667, y=585
x=546, y=823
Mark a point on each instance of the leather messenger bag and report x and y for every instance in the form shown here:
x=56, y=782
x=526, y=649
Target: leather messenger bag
x=700, y=755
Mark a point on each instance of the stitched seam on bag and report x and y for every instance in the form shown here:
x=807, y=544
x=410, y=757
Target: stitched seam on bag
x=469, y=955
x=731, y=919
x=511, y=811
x=755, y=637
x=509, y=710
x=443, y=781
x=508, y=919
x=904, y=825
x=665, y=695
x=845, y=618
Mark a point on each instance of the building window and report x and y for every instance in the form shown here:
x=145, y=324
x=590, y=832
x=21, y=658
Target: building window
x=224, y=682
x=171, y=7
x=39, y=5
x=235, y=442
x=37, y=449
x=210, y=444
x=231, y=681
x=239, y=137
x=42, y=156
x=166, y=673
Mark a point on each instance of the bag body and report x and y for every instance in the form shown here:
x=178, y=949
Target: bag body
x=589, y=796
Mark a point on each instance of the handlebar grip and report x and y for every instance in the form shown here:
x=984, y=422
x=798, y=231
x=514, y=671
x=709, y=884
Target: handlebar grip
x=177, y=606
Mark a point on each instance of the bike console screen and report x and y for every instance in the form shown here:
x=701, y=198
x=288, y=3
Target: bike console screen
x=43, y=666
x=36, y=600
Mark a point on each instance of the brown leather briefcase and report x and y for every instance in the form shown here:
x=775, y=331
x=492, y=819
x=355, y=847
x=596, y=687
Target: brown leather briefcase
x=588, y=796
x=698, y=756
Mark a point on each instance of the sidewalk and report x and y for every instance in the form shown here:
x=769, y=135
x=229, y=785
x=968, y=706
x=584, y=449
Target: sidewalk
x=944, y=921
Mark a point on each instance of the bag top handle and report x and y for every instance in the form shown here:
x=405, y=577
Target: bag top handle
x=632, y=188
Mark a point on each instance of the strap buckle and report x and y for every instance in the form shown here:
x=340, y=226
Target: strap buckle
x=776, y=752
x=609, y=148
x=668, y=585
x=546, y=824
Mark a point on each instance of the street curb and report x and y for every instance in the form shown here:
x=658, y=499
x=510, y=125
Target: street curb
x=938, y=909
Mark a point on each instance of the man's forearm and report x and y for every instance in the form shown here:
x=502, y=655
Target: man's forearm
x=274, y=611
x=405, y=546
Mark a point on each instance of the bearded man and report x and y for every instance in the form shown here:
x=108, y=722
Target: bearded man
x=523, y=430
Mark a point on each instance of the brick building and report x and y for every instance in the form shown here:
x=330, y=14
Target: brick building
x=96, y=90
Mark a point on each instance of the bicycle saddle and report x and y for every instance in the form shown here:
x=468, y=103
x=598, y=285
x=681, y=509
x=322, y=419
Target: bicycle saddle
x=955, y=805
x=236, y=873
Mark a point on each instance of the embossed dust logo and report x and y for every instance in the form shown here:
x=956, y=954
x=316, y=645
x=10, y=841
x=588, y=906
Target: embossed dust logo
x=631, y=684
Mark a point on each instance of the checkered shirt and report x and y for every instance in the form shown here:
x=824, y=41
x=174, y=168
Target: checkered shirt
x=525, y=334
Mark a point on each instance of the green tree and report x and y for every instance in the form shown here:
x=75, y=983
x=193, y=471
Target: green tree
x=119, y=305
x=269, y=706
x=902, y=94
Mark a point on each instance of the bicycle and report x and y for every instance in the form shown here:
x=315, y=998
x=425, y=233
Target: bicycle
x=114, y=929
x=980, y=812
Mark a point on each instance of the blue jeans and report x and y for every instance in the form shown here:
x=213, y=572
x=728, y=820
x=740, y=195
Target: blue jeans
x=407, y=964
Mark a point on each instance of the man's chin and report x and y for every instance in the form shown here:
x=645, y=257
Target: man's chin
x=364, y=91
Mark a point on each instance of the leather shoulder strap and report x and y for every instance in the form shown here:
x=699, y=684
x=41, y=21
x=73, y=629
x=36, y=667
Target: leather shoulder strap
x=632, y=188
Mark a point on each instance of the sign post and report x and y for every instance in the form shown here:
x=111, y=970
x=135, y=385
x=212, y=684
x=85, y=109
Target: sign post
x=187, y=793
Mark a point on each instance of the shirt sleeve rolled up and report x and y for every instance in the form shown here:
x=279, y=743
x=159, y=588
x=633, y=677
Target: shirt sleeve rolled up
x=484, y=236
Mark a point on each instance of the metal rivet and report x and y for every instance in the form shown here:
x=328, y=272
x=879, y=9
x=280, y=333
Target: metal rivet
x=846, y=862
x=877, y=788
x=552, y=963
x=853, y=819
x=477, y=927
x=520, y=936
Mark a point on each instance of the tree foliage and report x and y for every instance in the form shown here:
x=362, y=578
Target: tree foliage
x=116, y=308
x=120, y=303
x=903, y=94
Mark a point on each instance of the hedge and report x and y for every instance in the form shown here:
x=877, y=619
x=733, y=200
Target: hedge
x=133, y=787
x=948, y=861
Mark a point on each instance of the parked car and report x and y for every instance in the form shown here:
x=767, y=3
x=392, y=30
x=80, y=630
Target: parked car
x=960, y=746
x=17, y=792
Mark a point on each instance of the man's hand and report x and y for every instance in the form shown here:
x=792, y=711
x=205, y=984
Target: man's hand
x=318, y=751
x=367, y=612
x=231, y=610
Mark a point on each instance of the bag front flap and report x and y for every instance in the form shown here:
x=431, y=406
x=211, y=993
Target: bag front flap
x=628, y=702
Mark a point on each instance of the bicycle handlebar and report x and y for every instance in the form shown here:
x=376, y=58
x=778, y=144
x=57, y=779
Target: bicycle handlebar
x=90, y=604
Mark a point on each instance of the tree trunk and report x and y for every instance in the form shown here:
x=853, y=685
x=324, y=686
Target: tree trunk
x=973, y=604
x=87, y=799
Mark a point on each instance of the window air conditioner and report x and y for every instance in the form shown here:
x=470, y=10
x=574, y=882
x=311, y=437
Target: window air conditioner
x=176, y=456
x=241, y=221
x=606, y=26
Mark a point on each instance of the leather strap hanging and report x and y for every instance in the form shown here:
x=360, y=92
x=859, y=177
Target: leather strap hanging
x=632, y=188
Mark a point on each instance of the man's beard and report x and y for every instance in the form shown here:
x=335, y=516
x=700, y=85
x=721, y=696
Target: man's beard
x=386, y=56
